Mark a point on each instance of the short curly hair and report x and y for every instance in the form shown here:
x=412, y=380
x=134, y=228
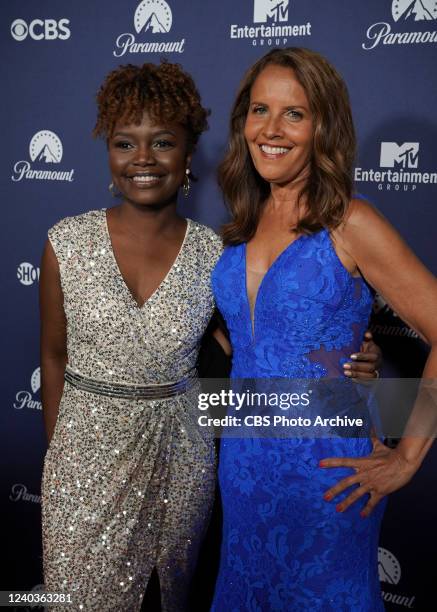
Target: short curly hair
x=165, y=91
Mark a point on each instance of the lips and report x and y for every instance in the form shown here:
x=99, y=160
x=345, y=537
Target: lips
x=273, y=152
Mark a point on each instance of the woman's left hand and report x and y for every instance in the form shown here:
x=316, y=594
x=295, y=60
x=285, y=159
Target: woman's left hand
x=383, y=471
x=366, y=364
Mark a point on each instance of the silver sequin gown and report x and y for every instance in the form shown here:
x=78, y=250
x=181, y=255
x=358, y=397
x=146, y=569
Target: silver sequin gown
x=128, y=485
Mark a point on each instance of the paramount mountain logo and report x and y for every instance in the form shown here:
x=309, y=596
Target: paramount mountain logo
x=401, y=160
x=274, y=29
x=404, y=12
x=45, y=148
x=152, y=18
x=418, y=10
x=389, y=570
x=153, y=15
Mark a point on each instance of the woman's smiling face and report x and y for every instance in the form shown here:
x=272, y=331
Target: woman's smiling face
x=279, y=126
x=148, y=161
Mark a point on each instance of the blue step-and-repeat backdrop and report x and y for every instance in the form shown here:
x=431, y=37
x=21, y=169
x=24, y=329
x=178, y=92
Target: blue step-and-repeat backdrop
x=55, y=55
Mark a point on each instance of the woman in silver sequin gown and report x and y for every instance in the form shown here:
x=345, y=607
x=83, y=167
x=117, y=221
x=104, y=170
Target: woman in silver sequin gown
x=128, y=482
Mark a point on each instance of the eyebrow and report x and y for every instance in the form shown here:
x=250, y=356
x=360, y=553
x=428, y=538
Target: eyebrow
x=290, y=106
x=129, y=134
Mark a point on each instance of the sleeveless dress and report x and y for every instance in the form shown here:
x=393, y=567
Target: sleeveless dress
x=284, y=547
x=128, y=485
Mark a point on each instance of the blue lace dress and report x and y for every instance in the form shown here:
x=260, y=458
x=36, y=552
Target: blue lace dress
x=284, y=547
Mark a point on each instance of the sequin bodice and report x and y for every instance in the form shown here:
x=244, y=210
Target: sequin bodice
x=109, y=336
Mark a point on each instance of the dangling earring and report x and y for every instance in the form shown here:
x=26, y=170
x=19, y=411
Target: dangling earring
x=186, y=184
x=112, y=191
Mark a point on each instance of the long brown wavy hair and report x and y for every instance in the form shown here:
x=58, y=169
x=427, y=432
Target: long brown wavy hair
x=328, y=190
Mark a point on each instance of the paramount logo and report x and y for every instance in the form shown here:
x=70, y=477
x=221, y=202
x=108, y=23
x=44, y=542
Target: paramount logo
x=154, y=18
x=404, y=12
x=45, y=148
x=401, y=161
x=389, y=570
x=274, y=29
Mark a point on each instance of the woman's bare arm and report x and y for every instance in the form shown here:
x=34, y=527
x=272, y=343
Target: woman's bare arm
x=397, y=274
x=53, y=338
x=223, y=341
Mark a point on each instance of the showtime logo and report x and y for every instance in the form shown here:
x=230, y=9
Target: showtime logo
x=27, y=273
x=45, y=148
x=152, y=17
x=272, y=15
x=389, y=570
x=404, y=12
x=39, y=29
x=25, y=399
x=404, y=159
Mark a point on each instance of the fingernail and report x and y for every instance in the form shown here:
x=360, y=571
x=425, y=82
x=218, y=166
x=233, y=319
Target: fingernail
x=347, y=366
x=347, y=373
x=322, y=464
x=354, y=356
x=327, y=496
x=338, y=507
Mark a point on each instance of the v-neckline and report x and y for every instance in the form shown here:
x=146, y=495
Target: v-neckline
x=272, y=265
x=118, y=270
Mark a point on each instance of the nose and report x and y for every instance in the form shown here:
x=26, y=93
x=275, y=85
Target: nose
x=144, y=156
x=272, y=127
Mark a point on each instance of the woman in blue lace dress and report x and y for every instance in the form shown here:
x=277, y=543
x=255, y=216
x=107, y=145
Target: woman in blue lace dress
x=293, y=286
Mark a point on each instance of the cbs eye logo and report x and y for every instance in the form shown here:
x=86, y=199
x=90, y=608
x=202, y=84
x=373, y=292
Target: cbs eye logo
x=40, y=29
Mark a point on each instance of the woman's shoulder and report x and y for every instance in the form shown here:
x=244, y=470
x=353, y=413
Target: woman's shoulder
x=73, y=233
x=360, y=212
x=205, y=235
x=361, y=217
x=75, y=223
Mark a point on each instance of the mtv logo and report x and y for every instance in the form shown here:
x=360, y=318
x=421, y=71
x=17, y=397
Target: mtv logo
x=405, y=155
x=265, y=10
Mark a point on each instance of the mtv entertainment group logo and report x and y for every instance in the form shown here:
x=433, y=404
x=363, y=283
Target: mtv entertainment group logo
x=405, y=13
x=274, y=29
x=45, y=150
x=265, y=10
x=401, y=160
x=153, y=19
x=405, y=155
x=26, y=399
x=389, y=570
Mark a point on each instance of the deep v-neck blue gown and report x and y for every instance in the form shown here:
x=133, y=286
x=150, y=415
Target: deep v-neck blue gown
x=284, y=547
